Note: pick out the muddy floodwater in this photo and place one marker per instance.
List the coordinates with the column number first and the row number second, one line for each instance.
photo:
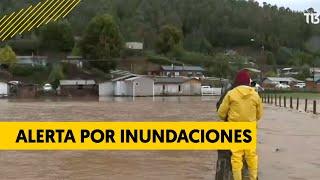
column 113, row 165
column 288, row 141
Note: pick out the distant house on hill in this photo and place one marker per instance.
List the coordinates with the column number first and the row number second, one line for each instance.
column 32, row 60
column 134, row 45
column 189, row 71
column 288, row 72
column 76, row 60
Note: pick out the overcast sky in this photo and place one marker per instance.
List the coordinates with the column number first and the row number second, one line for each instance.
column 299, row 5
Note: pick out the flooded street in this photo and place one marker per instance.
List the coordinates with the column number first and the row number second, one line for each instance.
column 118, row 165
column 285, row 138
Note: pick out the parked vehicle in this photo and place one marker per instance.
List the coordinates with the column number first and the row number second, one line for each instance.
column 47, row 88
column 282, row 86
column 300, row 85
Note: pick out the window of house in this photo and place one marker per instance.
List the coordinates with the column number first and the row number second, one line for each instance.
column 176, row 73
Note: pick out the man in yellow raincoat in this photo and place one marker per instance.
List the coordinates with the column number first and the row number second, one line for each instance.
column 242, row 104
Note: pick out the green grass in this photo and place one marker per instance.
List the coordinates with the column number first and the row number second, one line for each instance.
column 301, row 95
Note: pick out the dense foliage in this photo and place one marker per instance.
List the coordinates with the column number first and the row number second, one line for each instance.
column 204, row 29
column 102, row 42
column 7, row 56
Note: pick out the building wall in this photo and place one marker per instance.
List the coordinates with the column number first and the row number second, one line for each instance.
column 78, row 90
column 167, row 89
column 120, row 88
column 140, row 87
column 3, row 88
column 191, row 87
column 106, row 89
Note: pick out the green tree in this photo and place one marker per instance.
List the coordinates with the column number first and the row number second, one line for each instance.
column 304, row 72
column 220, row 66
column 102, row 42
column 56, row 75
column 7, row 56
column 270, row 58
column 57, row 36
column 169, row 38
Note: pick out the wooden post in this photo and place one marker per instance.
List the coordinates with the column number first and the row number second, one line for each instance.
column 291, row 105
column 275, row 99
column 280, row 101
column 297, row 103
column 306, row 105
column 314, row 107
column 285, row 101
column 272, row 99
column 268, row 98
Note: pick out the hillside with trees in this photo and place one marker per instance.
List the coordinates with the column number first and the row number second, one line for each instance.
column 181, row 31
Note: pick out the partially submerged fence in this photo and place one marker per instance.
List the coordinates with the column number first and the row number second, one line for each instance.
column 290, row 102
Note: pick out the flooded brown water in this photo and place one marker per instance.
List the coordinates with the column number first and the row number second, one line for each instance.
column 113, row 165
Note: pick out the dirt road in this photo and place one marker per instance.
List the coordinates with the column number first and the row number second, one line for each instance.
column 295, row 134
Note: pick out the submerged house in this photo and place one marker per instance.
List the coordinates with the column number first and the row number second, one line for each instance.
column 173, row 86
column 22, row 90
column 77, row 88
column 130, row 85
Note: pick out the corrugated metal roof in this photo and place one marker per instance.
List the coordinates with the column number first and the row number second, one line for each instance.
column 124, row 77
column 278, row 79
column 182, row 68
column 76, row 82
column 138, row 77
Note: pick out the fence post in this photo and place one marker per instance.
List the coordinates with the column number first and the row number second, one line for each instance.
column 272, row 99
column 306, row 105
column 285, row 101
column 297, row 103
column 280, row 101
column 291, row 105
column 314, row 107
column 275, row 99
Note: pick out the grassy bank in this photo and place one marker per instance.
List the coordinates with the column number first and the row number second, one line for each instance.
column 308, row 95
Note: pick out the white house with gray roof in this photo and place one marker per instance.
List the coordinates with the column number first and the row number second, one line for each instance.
column 189, row 71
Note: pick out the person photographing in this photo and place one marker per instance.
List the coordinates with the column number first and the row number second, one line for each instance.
column 242, row 104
